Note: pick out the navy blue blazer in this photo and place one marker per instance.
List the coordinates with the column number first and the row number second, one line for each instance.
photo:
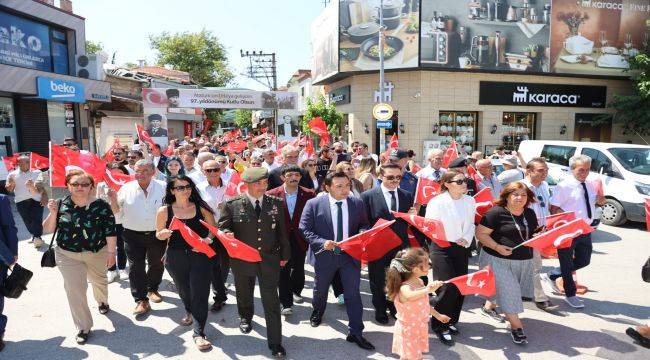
column 316, row 223
column 8, row 233
column 376, row 208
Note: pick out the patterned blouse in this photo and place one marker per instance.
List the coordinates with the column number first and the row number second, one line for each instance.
column 84, row 228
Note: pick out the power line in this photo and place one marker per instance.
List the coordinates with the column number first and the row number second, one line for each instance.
column 261, row 68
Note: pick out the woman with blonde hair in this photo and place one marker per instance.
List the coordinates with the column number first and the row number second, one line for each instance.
column 367, row 173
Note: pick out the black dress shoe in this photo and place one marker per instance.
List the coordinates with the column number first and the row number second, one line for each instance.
column 453, row 329
column 2, row 344
column 445, row 337
column 381, row 318
column 217, row 306
column 642, row 340
column 315, row 319
column 392, row 311
column 360, row 341
column 245, row 326
column 546, row 305
column 277, row 351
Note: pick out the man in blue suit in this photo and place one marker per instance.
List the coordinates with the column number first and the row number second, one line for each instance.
column 379, row 202
column 326, row 221
column 8, row 253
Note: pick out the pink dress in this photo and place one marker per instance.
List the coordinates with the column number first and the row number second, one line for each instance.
column 411, row 332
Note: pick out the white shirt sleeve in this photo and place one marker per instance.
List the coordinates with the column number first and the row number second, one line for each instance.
column 559, row 195
column 470, row 228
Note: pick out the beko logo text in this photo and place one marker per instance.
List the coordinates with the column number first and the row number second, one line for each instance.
column 63, row 87
column 522, row 96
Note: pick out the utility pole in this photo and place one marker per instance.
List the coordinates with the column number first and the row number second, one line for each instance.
column 262, row 68
column 380, row 43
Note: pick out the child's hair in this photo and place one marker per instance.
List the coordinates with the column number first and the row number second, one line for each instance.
column 401, row 268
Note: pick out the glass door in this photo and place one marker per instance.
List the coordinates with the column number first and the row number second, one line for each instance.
column 7, row 125
column 517, row 127
column 459, row 126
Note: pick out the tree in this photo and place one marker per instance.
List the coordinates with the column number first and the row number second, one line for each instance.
column 633, row 110
column 243, row 118
column 200, row 54
column 326, row 111
column 93, row 47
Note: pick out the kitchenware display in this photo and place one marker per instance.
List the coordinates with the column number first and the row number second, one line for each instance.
column 602, row 37
column 463, row 62
column 458, row 127
column 612, row 61
column 479, row 50
column 499, row 10
column 532, row 16
column 546, row 17
column 440, row 41
column 371, row 50
column 350, row 54
column 474, row 11
column 578, row 45
column 490, row 10
column 574, row 59
column 362, row 32
column 512, row 14
column 392, row 23
column 610, row 50
column 392, row 8
column 497, row 48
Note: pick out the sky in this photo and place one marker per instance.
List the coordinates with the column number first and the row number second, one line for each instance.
column 280, row 26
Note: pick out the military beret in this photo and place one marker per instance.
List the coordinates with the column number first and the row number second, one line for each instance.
column 253, row 174
column 458, row 163
column 153, row 117
column 397, row 154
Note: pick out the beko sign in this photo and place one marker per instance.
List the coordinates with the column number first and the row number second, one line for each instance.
column 535, row 94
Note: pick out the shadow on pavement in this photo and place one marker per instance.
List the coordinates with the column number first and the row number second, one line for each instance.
column 604, row 237
column 42, row 349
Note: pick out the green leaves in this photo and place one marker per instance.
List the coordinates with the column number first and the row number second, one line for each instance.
column 93, row 47
column 633, row 110
column 327, row 112
column 243, row 118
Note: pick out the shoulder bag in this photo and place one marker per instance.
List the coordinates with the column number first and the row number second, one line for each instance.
column 48, row 259
column 645, row 271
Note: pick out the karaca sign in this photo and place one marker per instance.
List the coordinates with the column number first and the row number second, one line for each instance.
column 536, row 94
column 219, row 99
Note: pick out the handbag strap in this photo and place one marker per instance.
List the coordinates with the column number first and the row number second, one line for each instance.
column 56, row 224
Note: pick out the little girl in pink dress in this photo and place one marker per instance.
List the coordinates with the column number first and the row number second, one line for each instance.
column 405, row 288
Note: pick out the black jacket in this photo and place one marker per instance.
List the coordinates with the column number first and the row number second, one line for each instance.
column 376, row 208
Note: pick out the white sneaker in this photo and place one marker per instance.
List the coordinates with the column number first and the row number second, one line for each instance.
column 574, row 302
column 340, row 300
column 298, row 299
column 38, row 242
column 550, row 283
column 124, row 275
column 111, row 276
column 286, row 311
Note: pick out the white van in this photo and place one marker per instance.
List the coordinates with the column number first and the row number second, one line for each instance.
column 625, row 170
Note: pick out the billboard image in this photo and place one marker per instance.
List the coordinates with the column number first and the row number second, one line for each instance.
column 171, row 99
column 324, row 40
column 24, row 43
column 359, row 34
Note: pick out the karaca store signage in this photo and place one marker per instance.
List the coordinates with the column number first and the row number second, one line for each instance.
column 340, row 96
column 534, row 94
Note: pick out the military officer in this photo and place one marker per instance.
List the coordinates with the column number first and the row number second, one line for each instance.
column 258, row 220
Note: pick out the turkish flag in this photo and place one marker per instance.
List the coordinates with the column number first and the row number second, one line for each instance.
column 647, row 214
column 554, row 221
column 431, row 228
column 484, row 202
column 231, row 135
column 259, row 138
column 108, row 156
column 191, row 238
column 309, row 148
column 394, row 143
column 426, row 190
column 559, row 237
column 413, row 241
column 36, row 161
column 235, row 146
column 319, row 127
column 372, row 244
column 235, row 186
column 450, row 155
column 479, row 283
column 235, row 248
column 473, row 174
column 415, row 168
column 115, row 179
column 143, row 135
column 169, row 151
column 63, row 159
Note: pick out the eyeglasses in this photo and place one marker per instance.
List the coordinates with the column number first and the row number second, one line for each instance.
column 393, row 177
column 541, row 201
column 221, row 162
column 182, row 187
column 459, row 182
column 212, row 170
column 83, row 185
column 131, row 157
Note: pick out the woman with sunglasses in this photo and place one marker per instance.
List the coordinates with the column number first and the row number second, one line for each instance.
column 347, row 168
column 191, row 270
column 456, row 211
column 85, row 239
column 509, row 223
column 309, row 165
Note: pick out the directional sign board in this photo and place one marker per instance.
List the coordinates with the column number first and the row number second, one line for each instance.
column 384, row 124
column 382, row 111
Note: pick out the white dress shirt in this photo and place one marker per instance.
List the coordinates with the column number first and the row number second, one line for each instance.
column 137, row 210
column 428, row 173
column 198, row 177
column 254, row 199
column 226, row 174
column 542, row 197
column 570, row 196
column 387, row 197
column 334, row 209
column 21, row 192
column 102, row 193
column 457, row 216
column 214, row 196
column 270, row 167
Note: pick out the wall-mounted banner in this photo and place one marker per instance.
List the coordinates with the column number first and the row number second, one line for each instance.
column 219, row 99
column 535, row 94
column 24, row 43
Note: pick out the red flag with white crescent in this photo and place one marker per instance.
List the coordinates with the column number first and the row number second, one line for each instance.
column 235, row 146
column 484, row 202
column 115, row 179
column 36, row 161
column 431, row 228
column 413, row 241
column 143, row 135
column 473, row 174
column 63, row 159
column 647, row 214
column 480, row 282
column 427, row 189
column 450, row 155
column 191, row 238
column 559, row 237
column 372, row 244
column 108, row 156
column 236, row 248
column 235, row 186
column 309, row 148
column 552, row 222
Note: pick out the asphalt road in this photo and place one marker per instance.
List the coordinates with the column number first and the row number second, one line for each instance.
column 40, row 325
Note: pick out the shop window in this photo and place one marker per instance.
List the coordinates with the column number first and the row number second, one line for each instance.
column 459, row 126
column 517, row 127
column 557, row 154
column 59, row 52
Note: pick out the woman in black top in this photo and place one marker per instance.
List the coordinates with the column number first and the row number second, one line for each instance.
column 509, row 223
column 86, row 241
column 191, row 270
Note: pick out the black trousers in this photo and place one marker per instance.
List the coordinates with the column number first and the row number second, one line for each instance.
column 121, row 253
column 192, row 274
column 572, row 259
column 337, row 284
column 220, row 269
column 447, row 263
column 143, row 248
column 377, row 278
column 292, row 276
column 31, row 212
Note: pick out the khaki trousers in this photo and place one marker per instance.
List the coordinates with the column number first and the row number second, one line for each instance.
column 78, row 269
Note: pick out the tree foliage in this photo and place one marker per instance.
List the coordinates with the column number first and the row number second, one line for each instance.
column 243, row 118
column 200, row 54
column 93, row 47
column 327, row 112
column 633, row 110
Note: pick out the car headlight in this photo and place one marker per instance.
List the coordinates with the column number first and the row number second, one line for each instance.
column 643, row 189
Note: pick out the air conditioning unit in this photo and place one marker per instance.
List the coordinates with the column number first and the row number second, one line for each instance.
column 89, row 67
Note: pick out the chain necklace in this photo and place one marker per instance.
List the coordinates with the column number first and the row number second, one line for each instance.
column 523, row 239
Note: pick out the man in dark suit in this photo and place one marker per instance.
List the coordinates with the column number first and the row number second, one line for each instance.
column 294, row 197
column 258, row 220
column 290, row 156
column 379, row 202
column 155, row 128
column 8, row 253
column 327, row 221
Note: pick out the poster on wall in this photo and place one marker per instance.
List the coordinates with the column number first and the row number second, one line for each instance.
column 359, row 34
column 155, row 123
column 324, row 40
column 24, row 43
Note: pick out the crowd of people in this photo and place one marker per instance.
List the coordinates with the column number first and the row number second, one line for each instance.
column 298, row 208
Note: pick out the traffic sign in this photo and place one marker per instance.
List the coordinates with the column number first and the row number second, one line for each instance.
column 384, row 124
column 382, row 111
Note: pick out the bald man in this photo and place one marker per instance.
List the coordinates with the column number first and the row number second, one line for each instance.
column 488, row 179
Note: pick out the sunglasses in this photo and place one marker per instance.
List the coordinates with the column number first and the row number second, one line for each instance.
column 131, row 157
column 182, row 187
column 83, row 185
column 541, row 201
column 212, row 170
column 393, row 177
column 221, row 162
column 458, row 182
